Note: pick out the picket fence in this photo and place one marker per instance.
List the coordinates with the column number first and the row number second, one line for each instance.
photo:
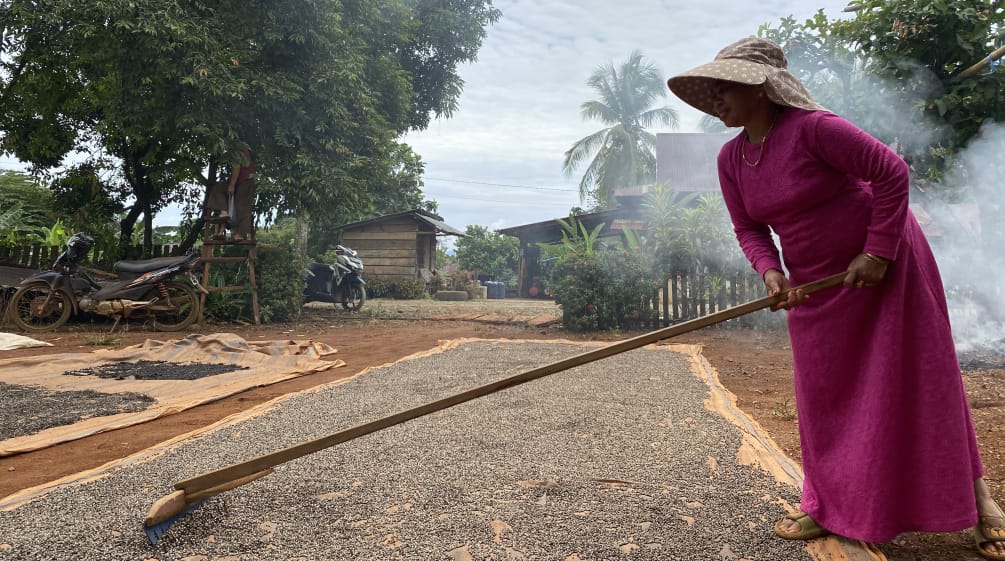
column 684, row 297
column 38, row 256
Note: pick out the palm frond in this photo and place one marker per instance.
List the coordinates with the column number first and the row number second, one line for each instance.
column 664, row 116
column 599, row 111
column 582, row 149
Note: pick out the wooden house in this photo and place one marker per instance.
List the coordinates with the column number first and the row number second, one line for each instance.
column 398, row 246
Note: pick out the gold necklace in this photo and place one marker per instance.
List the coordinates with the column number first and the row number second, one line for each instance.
column 760, row 153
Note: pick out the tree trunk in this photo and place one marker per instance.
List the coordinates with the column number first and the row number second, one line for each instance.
column 300, row 233
column 148, row 230
column 126, row 229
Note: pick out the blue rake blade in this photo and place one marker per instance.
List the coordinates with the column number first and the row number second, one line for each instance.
column 155, row 532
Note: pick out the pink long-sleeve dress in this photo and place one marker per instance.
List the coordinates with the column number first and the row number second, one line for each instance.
column 888, row 445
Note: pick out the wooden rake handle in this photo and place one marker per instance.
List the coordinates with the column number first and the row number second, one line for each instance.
column 207, row 484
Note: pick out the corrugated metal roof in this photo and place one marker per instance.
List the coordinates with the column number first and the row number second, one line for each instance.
column 686, row 161
column 440, row 225
column 433, row 220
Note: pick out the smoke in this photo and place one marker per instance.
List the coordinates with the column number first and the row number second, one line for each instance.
column 969, row 242
column 967, row 234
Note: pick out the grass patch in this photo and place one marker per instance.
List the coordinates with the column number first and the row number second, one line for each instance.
column 784, row 411
column 102, row 340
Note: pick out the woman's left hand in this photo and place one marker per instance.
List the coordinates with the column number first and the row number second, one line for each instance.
column 866, row 270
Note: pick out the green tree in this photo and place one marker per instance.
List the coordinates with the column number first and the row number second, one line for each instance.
column 489, row 253
column 25, row 208
column 895, row 69
column 395, row 187
column 623, row 153
column 161, row 90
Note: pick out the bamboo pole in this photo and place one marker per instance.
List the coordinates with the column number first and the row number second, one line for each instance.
column 995, row 55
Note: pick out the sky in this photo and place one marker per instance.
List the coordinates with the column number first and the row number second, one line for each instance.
column 498, row 161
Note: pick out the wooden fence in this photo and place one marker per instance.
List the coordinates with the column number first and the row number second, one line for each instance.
column 686, row 297
column 39, row 257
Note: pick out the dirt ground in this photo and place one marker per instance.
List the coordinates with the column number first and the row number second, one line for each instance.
column 754, row 365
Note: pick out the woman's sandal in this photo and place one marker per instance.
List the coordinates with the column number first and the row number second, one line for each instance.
column 808, row 528
column 986, row 532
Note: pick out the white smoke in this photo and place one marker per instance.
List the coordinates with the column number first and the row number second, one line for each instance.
column 970, row 242
column 968, row 234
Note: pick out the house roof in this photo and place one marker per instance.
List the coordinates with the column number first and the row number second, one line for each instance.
column 686, row 161
column 418, row 215
column 551, row 230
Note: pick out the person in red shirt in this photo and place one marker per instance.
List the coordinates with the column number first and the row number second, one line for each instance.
column 235, row 197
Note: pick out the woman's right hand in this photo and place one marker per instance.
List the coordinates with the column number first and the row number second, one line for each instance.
column 777, row 284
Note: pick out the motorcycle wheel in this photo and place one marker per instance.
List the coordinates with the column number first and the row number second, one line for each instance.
column 354, row 300
column 176, row 312
column 30, row 311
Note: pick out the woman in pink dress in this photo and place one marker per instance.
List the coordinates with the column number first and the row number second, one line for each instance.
column 887, row 441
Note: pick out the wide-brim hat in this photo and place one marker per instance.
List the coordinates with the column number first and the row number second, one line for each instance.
column 750, row 61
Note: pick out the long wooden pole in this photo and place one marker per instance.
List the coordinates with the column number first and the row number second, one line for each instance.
column 995, row 55
column 202, row 486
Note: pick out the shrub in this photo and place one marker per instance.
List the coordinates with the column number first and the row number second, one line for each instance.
column 400, row 289
column 605, row 290
column 377, row 287
column 280, row 275
column 409, row 289
column 460, row 280
column 435, row 284
column 280, row 278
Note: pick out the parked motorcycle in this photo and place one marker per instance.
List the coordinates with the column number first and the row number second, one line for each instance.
column 340, row 283
column 148, row 288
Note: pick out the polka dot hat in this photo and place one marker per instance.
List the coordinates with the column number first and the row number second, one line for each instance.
column 748, row 61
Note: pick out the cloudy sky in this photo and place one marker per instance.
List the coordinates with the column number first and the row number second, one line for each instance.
column 498, row 161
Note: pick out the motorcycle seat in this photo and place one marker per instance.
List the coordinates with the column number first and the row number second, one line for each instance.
column 147, row 265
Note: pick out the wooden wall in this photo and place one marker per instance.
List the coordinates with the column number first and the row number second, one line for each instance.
column 396, row 248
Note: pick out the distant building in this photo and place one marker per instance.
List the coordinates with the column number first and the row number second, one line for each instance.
column 686, row 161
column 398, row 246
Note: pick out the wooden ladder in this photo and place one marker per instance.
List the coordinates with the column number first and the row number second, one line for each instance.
column 210, row 255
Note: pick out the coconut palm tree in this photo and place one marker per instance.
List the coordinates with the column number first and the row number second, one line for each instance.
column 709, row 123
column 623, row 154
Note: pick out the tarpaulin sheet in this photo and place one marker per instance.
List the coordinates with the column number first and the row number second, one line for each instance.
column 10, row 341
column 263, row 362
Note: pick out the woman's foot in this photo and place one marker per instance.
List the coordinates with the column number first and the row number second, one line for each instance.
column 237, row 237
column 990, row 530
column 799, row 526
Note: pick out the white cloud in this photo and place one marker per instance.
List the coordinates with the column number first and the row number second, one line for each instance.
column 519, row 111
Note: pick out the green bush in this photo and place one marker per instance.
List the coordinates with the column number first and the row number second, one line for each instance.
column 408, row 289
column 377, row 287
column 280, row 277
column 459, row 280
column 605, row 290
column 436, row 283
column 400, row 289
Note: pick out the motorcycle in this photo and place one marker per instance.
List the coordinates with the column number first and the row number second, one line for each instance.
column 147, row 288
column 340, row 283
